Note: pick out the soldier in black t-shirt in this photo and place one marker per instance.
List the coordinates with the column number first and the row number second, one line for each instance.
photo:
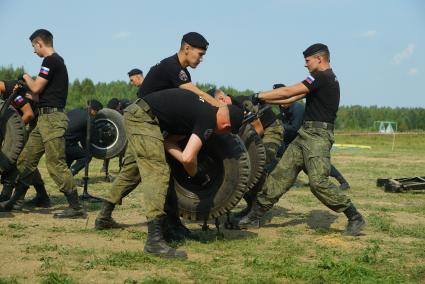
column 172, row 72
column 311, row 148
column 51, row 87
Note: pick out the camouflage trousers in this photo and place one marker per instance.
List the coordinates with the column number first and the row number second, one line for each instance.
column 310, row 150
column 272, row 139
column 144, row 161
column 47, row 138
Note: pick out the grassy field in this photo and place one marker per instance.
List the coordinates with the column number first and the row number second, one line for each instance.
column 302, row 243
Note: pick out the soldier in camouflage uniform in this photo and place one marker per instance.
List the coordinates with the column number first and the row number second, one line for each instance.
column 311, row 148
column 179, row 113
column 51, row 87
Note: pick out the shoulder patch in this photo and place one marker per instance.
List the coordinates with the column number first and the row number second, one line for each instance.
column 44, row 70
column 310, row 79
column 183, row 75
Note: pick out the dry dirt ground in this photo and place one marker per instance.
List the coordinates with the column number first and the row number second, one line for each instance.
column 299, row 232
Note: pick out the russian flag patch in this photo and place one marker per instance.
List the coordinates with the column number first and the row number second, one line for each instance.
column 19, row 100
column 44, row 70
column 310, row 79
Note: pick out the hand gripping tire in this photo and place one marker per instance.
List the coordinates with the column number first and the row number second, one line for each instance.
column 13, row 136
column 225, row 159
column 107, row 135
column 257, row 154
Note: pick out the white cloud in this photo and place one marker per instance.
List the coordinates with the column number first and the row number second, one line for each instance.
column 121, row 35
column 406, row 53
column 369, row 34
column 412, row 72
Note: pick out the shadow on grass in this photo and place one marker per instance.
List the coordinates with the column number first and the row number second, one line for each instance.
column 318, row 220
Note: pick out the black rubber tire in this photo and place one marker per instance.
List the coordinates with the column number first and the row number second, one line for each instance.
column 107, row 135
column 226, row 160
column 257, row 154
column 14, row 137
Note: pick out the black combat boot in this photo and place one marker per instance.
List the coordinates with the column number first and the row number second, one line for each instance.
column 155, row 244
column 104, row 220
column 6, row 192
column 175, row 231
column 41, row 199
column 253, row 218
column 356, row 222
column 74, row 210
column 16, row 201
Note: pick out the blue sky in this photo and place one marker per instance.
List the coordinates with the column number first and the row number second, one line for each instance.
column 377, row 47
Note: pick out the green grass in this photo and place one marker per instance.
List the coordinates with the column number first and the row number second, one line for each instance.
column 301, row 241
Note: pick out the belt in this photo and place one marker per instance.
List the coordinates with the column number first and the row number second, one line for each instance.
column 144, row 105
column 318, row 124
column 47, row 110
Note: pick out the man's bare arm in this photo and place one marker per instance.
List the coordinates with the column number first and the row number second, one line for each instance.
column 191, row 87
column 287, row 101
column 283, row 93
column 36, row 86
column 188, row 156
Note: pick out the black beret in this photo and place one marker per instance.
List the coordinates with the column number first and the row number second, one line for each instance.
column 95, row 104
column 236, row 117
column 196, row 40
column 113, row 103
column 135, row 71
column 41, row 32
column 315, row 48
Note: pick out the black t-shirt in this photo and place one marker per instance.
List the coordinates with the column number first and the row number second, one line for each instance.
column 268, row 116
column 182, row 112
column 292, row 118
column 166, row 74
column 77, row 125
column 53, row 69
column 323, row 99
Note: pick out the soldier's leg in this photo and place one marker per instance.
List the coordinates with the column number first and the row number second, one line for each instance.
column 317, row 162
column 26, row 165
column 52, row 129
column 74, row 152
column 126, row 181
column 147, row 143
column 272, row 140
column 41, row 198
column 277, row 183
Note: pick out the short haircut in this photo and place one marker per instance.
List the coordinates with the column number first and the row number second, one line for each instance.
column 44, row 35
column 325, row 55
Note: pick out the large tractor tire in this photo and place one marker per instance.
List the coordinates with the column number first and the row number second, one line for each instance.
column 225, row 159
column 13, row 136
column 107, row 134
column 257, row 154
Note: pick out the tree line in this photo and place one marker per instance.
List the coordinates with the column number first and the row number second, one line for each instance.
column 348, row 118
